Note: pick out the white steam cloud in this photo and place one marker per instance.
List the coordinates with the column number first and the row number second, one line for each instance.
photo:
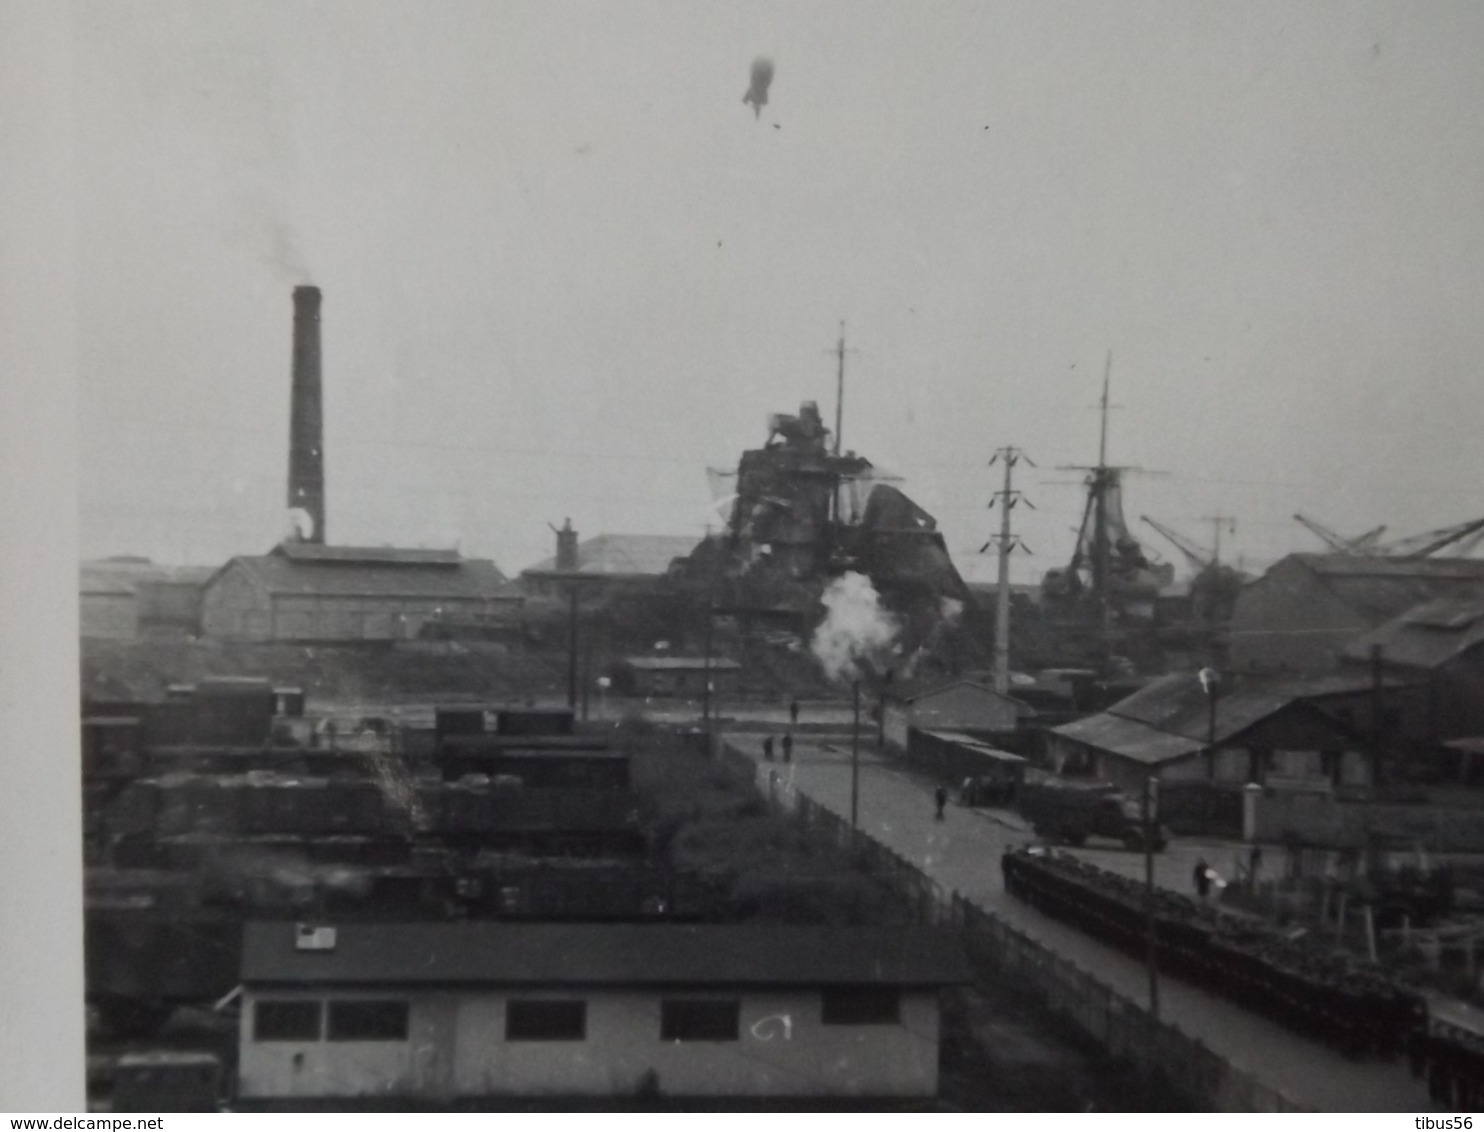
column 856, row 631
column 950, row 609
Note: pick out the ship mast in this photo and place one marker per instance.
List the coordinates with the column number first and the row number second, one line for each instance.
column 1100, row 483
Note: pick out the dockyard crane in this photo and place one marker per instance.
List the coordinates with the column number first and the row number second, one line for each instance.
column 1463, row 537
column 1360, row 544
column 1198, row 556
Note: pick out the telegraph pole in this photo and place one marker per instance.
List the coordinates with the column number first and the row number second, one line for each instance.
column 1006, row 542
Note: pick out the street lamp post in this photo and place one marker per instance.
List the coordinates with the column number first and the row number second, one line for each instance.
column 855, row 758
column 572, row 647
column 1150, row 810
column 1211, row 684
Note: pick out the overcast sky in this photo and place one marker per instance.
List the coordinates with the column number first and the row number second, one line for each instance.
column 565, row 269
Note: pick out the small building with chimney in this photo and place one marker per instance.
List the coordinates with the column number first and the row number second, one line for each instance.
column 632, row 563
column 303, row 591
column 358, row 1014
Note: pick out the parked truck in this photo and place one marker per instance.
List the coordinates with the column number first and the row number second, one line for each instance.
column 1071, row 812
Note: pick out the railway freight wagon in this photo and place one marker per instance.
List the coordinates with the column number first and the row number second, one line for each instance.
column 353, row 813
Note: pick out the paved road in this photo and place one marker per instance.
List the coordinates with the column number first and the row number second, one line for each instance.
column 963, row 852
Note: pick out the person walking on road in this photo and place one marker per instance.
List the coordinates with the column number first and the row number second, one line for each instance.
column 940, row 799
column 788, row 747
column 1202, row 878
column 768, row 748
column 793, row 713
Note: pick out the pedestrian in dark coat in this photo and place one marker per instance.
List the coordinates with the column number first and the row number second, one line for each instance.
column 940, row 799
column 788, row 747
column 793, row 712
column 1202, row 878
column 768, row 748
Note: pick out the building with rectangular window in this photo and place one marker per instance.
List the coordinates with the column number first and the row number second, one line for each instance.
column 437, row 1012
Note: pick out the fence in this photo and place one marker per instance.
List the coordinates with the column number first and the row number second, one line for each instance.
column 1119, row 1025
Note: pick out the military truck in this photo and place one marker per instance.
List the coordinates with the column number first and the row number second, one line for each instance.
column 1071, row 812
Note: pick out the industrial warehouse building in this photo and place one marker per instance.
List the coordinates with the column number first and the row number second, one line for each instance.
column 1299, row 615
column 127, row 597
column 310, row 592
column 433, row 1012
column 964, row 705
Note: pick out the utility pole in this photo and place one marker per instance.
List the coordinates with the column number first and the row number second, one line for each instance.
column 1217, row 523
column 706, row 688
column 1006, row 542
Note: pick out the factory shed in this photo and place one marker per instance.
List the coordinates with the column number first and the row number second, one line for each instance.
column 964, row 705
column 308, row 592
column 1270, row 732
column 435, row 1012
column 108, row 604
column 1299, row 615
column 1441, row 644
column 682, row 676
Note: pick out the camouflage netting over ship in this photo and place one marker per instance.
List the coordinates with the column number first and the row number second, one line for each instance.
column 803, row 516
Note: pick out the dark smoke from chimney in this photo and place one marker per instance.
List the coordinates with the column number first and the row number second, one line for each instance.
column 306, row 423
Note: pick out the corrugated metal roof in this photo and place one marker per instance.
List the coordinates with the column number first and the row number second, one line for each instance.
column 625, row 554
column 1178, row 703
column 1385, row 587
column 1426, row 636
column 679, row 663
column 606, row 955
column 917, row 697
column 116, row 575
column 983, row 748
column 1374, row 566
column 1129, row 739
column 469, row 578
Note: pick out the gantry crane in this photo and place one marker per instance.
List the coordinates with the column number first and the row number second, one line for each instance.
column 1360, row 544
column 1463, row 537
column 1198, row 556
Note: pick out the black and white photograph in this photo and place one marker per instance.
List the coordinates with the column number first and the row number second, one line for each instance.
column 850, row 556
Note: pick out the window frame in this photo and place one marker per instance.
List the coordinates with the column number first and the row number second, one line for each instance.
column 315, row 1004
column 865, row 1004
column 530, row 1006
column 679, row 1018
column 341, row 1005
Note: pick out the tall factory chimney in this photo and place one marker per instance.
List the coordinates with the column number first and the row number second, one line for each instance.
column 306, row 423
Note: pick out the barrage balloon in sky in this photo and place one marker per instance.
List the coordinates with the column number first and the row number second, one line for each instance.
column 762, row 78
